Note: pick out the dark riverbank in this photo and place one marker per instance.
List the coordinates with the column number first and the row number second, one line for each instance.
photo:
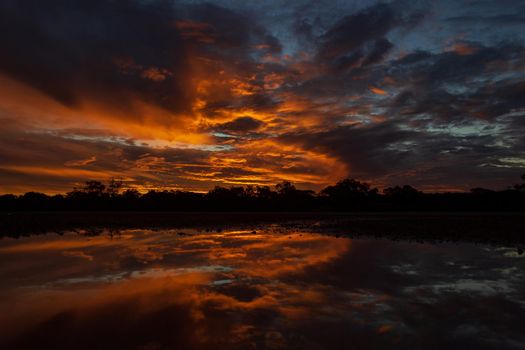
column 497, row 228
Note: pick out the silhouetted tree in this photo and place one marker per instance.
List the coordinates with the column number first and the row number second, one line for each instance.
column 405, row 191
column 94, row 188
column 91, row 188
column 288, row 197
column 347, row 194
column 131, row 193
column 480, row 191
column 264, row 193
column 405, row 197
column 35, row 200
column 285, row 187
column 8, row 202
column 350, row 194
column 114, row 187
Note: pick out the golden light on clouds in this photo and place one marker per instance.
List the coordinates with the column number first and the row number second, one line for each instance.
column 378, row 91
column 190, row 96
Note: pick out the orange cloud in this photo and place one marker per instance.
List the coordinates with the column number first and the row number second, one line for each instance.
column 463, row 49
column 60, row 172
column 377, row 90
column 81, row 162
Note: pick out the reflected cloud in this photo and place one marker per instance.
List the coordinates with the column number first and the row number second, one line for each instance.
column 271, row 288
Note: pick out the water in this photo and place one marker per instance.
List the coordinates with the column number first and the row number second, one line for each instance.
column 143, row 289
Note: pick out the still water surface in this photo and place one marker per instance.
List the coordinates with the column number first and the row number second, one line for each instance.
column 144, row 289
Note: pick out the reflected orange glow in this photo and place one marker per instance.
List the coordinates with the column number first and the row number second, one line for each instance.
column 230, row 256
column 200, row 288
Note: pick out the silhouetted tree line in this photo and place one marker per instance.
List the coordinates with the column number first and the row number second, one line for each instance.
column 346, row 195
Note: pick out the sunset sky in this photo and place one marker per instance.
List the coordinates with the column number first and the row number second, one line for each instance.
column 190, row 94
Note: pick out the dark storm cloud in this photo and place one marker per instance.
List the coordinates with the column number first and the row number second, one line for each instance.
column 352, row 51
column 241, row 124
column 456, row 65
column 497, row 19
column 467, row 80
column 449, row 85
column 348, row 62
column 230, row 29
column 503, row 13
column 304, row 31
column 370, row 24
column 378, row 51
column 354, row 30
column 392, row 153
column 69, row 49
column 367, row 150
column 118, row 52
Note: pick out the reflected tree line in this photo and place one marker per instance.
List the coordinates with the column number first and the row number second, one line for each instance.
column 346, row 195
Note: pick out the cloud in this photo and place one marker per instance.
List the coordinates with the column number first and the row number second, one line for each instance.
column 59, row 50
column 366, row 150
column 137, row 57
column 460, row 84
column 192, row 94
column 81, row 162
column 241, row 124
column 378, row 51
column 354, row 30
column 370, row 24
column 378, row 91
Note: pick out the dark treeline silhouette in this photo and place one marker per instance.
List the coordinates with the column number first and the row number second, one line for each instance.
column 346, row 195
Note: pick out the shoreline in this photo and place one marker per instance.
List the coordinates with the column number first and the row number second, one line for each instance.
column 480, row 227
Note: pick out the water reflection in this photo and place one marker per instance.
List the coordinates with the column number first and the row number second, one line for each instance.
column 141, row 289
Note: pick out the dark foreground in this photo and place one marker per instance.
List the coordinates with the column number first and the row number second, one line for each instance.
column 494, row 228
column 280, row 286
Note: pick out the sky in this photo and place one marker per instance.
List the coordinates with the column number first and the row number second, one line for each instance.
column 189, row 95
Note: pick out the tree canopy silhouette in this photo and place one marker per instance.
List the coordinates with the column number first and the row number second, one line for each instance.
column 345, row 195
